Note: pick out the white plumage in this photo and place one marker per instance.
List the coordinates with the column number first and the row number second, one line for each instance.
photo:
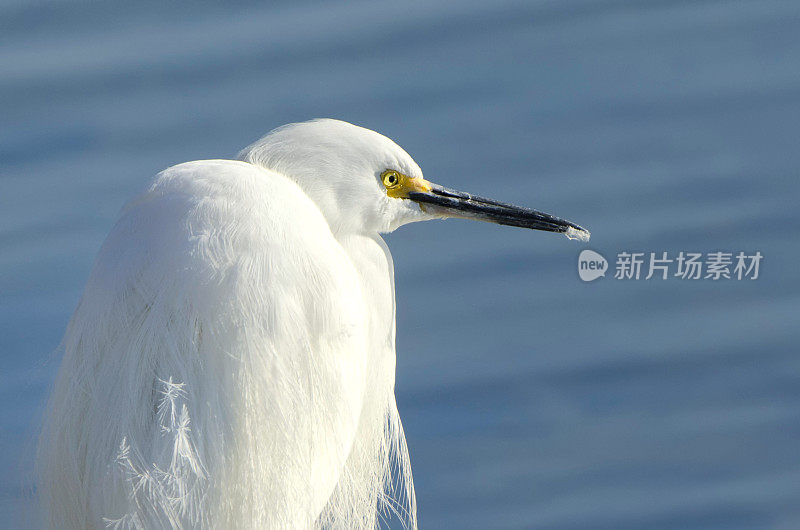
column 231, row 361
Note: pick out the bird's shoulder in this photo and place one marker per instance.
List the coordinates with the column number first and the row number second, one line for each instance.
column 205, row 222
column 215, row 193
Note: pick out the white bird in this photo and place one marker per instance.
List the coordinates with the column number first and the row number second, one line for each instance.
column 231, row 362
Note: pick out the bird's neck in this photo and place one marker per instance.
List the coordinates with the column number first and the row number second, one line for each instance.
column 373, row 262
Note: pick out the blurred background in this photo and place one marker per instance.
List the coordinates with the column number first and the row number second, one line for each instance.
column 530, row 399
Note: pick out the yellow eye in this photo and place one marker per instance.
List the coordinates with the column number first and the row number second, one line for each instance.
column 390, row 178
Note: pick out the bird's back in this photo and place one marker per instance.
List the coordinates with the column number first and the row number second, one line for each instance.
column 214, row 369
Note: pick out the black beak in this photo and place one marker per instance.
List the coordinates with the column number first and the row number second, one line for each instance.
column 451, row 203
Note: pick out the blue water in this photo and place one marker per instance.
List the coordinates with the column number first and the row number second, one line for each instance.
column 530, row 399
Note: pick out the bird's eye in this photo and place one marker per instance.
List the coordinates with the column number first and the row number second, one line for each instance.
column 391, row 179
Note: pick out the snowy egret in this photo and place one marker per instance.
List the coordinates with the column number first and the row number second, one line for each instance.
column 231, row 362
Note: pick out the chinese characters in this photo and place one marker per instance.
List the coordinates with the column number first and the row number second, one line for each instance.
column 688, row 266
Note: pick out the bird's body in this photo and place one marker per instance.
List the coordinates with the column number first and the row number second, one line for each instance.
column 231, row 362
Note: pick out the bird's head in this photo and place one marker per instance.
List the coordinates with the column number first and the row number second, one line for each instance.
column 364, row 182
